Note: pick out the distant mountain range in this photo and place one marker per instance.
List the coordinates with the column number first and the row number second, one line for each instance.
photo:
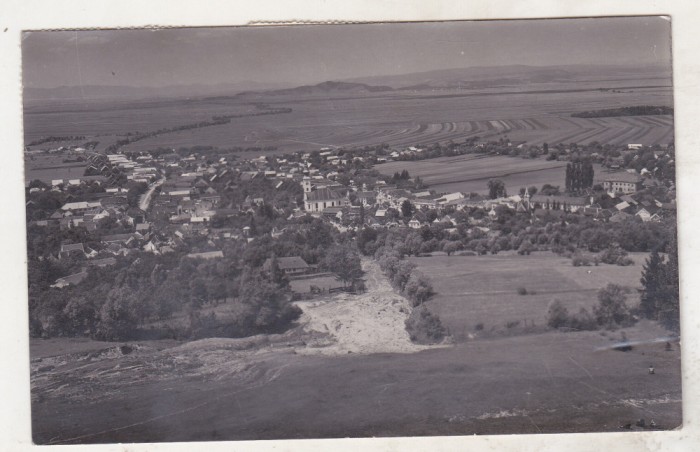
column 144, row 92
column 460, row 78
column 490, row 76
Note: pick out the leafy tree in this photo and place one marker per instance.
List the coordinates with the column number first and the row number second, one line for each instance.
column 557, row 314
column 612, row 308
column 344, row 261
column 407, row 209
column 365, row 239
column 451, row 247
column 497, row 189
column 277, row 276
column 424, row 327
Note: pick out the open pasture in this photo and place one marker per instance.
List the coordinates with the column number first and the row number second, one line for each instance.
column 398, row 118
column 474, row 290
column 471, row 173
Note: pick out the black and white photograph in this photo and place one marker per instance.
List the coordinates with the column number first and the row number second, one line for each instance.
column 366, row 230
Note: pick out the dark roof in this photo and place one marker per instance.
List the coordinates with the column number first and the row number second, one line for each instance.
column 323, row 194
column 289, row 263
column 72, row 247
column 117, row 238
column 570, row 200
column 623, row 176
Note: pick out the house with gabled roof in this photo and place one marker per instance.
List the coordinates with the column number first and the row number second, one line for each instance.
column 623, row 182
column 293, row 265
column 70, row 249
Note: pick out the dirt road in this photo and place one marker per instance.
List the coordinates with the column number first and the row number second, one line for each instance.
column 145, row 200
column 372, row 322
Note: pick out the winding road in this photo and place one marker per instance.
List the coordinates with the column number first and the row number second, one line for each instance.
column 145, row 200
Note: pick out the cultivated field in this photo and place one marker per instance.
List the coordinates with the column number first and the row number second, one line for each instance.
column 473, row 290
column 471, row 173
column 535, row 114
column 47, row 168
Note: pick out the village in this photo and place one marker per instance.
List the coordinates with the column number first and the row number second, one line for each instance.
column 156, row 202
column 286, row 244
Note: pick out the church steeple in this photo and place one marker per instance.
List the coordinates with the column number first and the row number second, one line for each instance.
column 526, row 199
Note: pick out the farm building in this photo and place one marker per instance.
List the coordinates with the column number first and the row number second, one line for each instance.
column 293, row 265
column 622, row 182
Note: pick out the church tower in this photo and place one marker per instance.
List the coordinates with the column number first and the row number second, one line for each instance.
column 306, row 185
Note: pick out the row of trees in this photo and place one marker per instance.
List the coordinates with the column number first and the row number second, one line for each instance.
column 215, row 121
column 579, row 176
column 422, row 325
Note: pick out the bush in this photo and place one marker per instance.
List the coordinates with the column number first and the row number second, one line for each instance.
column 557, row 314
column 558, row 317
column 583, row 321
column 580, row 261
column 479, row 326
column 423, row 327
column 615, row 256
column 418, row 289
column 522, row 291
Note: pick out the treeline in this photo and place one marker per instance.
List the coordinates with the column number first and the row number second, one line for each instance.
column 579, row 176
column 215, row 121
column 641, row 110
column 557, row 231
column 54, row 139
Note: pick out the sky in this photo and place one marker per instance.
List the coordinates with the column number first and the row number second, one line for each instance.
column 295, row 55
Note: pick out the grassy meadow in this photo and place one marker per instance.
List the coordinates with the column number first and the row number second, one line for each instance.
column 483, row 290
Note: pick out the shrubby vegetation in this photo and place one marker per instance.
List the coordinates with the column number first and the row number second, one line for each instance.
column 424, row 327
column 610, row 312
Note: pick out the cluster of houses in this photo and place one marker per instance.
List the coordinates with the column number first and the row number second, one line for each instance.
column 184, row 198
